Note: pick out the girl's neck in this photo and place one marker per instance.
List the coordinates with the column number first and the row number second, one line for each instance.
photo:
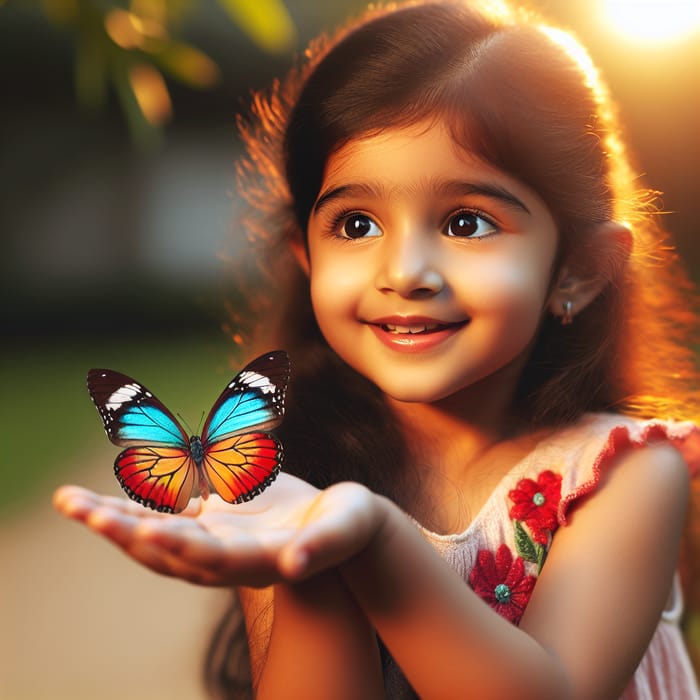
column 461, row 450
column 463, row 425
column 445, row 440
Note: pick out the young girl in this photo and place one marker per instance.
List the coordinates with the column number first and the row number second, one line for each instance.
column 483, row 492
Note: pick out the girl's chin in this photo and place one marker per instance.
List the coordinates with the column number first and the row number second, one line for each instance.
column 404, row 392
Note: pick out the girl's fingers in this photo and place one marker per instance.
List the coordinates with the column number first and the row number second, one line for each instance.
column 231, row 560
column 157, row 544
column 180, row 537
column 74, row 501
column 115, row 525
column 199, row 558
column 342, row 521
column 179, row 547
column 193, row 508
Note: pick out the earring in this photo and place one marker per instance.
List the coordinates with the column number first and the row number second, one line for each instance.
column 567, row 317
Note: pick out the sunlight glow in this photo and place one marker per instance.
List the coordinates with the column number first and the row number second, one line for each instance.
column 653, row 20
column 576, row 50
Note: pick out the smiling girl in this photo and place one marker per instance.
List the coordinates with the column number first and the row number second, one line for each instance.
column 487, row 444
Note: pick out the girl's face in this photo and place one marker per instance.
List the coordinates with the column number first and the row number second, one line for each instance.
column 429, row 269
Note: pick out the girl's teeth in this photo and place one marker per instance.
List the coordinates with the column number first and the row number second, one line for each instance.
column 411, row 329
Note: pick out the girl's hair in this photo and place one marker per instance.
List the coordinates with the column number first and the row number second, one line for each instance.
column 525, row 98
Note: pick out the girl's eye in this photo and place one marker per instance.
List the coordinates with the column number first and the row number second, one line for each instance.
column 359, row 226
column 468, row 224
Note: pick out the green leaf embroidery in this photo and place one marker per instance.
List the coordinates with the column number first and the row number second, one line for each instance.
column 541, row 556
column 524, row 545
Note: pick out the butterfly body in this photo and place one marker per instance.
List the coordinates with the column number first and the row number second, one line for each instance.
column 197, row 450
column 162, row 467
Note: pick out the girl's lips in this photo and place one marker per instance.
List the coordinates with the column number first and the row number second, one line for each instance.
column 414, row 335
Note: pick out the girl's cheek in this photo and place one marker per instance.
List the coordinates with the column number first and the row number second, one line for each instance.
column 332, row 284
column 495, row 284
column 335, row 297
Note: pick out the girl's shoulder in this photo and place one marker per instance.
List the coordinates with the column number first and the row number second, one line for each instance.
column 582, row 453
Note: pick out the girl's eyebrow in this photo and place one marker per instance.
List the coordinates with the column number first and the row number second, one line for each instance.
column 448, row 188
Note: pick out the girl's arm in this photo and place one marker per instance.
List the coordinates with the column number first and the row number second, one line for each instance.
column 591, row 616
column 309, row 640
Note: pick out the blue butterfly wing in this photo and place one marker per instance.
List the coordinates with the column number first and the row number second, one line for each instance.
column 252, row 401
column 131, row 414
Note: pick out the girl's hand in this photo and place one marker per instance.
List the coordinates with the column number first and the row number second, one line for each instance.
column 289, row 532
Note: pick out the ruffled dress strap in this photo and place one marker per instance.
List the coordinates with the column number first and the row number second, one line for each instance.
column 607, row 436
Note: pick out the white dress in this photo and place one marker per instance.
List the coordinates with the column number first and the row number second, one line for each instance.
column 502, row 551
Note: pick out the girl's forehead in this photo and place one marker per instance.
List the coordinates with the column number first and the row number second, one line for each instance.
column 391, row 144
column 414, row 159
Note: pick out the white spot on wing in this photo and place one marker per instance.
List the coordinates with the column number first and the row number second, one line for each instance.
column 122, row 395
column 257, row 381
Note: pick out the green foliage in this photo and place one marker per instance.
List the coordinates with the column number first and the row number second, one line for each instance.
column 136, row 46
column 265, row 21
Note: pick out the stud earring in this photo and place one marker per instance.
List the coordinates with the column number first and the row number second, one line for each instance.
column 567, row 317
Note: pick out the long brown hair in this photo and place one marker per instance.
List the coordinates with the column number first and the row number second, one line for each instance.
column 525, row 98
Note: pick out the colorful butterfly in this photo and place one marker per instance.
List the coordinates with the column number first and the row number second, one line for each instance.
column 162, row 468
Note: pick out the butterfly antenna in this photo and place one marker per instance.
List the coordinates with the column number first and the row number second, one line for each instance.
column 199, row 425
column 186, row 424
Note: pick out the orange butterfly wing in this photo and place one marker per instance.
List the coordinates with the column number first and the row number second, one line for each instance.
column 162, row 478
column 238, row 468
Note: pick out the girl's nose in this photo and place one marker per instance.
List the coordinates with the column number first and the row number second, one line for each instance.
column 409, row 267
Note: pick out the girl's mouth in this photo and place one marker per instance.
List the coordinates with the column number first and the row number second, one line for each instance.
column 415, row 336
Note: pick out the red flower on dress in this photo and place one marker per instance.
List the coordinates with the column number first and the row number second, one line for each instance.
column 536, row 504
column 502, row 583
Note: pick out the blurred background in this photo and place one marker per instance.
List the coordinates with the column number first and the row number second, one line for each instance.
column 118, row 214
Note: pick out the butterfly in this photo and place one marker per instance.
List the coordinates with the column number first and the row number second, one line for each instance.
column 162, row 468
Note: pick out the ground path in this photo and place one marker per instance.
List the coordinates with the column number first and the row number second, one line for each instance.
column 79, row 621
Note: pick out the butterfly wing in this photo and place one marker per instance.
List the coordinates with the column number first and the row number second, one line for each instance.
column 157, row 469
column 253, row 399
column 130, row 413
column 240, row 459
column 161, row 478
column 239, row 467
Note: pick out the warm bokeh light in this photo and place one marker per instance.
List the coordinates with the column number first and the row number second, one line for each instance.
column 129, row 31
column 123, row 29
column 191, row 66
column 155, row 10
column 653, row 20
column 151, row 93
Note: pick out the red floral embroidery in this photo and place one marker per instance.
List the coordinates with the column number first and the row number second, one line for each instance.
column 502, row 583
column 536, row 502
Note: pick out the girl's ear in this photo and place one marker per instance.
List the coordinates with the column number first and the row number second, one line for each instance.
column 301, row 253
column 585, row 274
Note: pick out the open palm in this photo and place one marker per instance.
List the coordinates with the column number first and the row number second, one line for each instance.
column 290, row 531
